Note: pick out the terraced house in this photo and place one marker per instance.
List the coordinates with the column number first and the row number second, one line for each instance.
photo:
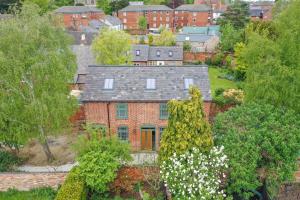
column 132, row 101
column 161, row 15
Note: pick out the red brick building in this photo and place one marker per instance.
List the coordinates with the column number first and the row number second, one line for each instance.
column 131, row 101
column 76, row 16
column 161, row 15
column 192, row 15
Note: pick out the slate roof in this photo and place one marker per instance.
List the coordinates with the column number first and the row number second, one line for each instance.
column 77, row 9
column 150, row 53
column 113, row 20
column 192, row 37
column 140, row 8
column 193, row 7
column 84, row 58
column 130, row 83
column 208, row 30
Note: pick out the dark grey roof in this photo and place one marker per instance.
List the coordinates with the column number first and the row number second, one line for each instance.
column 77, row 9
column 77, row 35
column 130, row 83
column 192, row 37
column 140, row 8
column 194, row 7
column 113, row 20
column 97, row 24
column 177, row 53
column 84, row 58
column 144, row 53
column 150, row 53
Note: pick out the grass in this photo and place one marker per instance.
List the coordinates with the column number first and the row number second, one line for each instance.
column 216, row 82
column 35, row 194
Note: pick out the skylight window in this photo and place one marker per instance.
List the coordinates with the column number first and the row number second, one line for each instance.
column 188, row 82
column 108, row 84
column 137, row 52
column 150, row 84
column 187, row 38
column 158, row 53
column 170, row 53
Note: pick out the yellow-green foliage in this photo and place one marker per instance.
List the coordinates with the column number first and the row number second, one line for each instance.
column 187, row 127
column 73, row 187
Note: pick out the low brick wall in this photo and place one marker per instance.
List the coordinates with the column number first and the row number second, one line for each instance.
column 27, row 181
column 194, row 57
column 289, row 192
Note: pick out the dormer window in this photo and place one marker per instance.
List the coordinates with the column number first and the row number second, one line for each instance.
column 150, row 84
column 158, row 53
column 170, row 53
column 188, row 82
column 108, row 84
column 137, row 52
column 82, row 37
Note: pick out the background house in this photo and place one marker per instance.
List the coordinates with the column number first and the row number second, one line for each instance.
column 76, row 16
column 157, row 55
column 131, row 101
column 86, row 2
column 261, row 10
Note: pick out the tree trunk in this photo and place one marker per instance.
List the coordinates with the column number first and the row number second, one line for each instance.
column 45, row 146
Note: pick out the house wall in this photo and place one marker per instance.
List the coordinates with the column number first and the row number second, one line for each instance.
column 187, row 18
column 139, row 115
column 165, row 62
column 194, row 57
column 74, row 20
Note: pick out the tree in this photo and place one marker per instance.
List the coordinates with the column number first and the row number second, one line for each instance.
column 5, row 4
column 187, row 46
column 187, row 127
column 111, row 47
column 274, row 65
column 43, row 4
column 240, row 67
column 109, row 6
column 142, row 23
column 237, row 14
column 150, row 39
column 262, row 143
column 37, row 65
column 229, row 37
column 166, row 38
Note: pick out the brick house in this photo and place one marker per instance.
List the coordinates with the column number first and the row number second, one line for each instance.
column 157, row 55
column 161, row 15
column 192, row 15
column 156, row 15
column 261, row 10
column 86, row 2
column 131, row 101
column 76, row 16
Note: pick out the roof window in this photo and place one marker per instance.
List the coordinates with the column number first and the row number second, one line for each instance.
column 108, row 84
column 188, row 82
column 150, row 84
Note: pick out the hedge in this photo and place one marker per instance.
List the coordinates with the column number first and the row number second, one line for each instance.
column 73, row 188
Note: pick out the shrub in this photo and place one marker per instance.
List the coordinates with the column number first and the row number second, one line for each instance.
column 8, row 161
column 262, row 143
column 229, row 96
column 187, row 46
column 195, row 175
column 217, row 59
column 73, row 187
column 219, row 91
column 127, row 179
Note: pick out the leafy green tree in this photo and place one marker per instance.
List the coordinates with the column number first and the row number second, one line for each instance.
column 150, row 40
column 5, row 4
column 236, row 14
column 229, row 37
column 240, row 63
column 165, row 38
column 37, row 65
column 187, row 46
column 262, row 143
column 187, row 127
column 109, row 6
column 142, row 23
column 111, row 47
column 104, row 5
column 274, row 65
column 43, row 4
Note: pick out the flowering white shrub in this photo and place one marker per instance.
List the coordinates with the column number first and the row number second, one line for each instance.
column 195, row 175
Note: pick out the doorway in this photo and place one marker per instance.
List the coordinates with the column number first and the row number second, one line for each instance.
column 148, row 139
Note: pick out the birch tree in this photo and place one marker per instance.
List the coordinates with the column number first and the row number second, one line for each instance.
column 36, row 66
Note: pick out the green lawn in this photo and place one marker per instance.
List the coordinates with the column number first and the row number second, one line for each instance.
column 35, row 194
column 216, row 82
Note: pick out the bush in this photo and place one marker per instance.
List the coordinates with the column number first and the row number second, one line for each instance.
column 73, row 188
column 187, row 46
column 195, row 174
column 217, row 59
column 8, row 161
column 127, row 179
column 219, row 91
column 229, row 96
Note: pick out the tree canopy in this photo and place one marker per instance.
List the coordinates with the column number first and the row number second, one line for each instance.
column 262, row 143
column 187, row 127
column 165, row 38
column 112, row 47
column 142, row 23
column 111, row 6
column 36, row 67
column 273, row 74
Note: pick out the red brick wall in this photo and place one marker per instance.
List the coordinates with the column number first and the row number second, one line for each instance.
column 74, row 20
column 139, row 114
column 194, row 57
